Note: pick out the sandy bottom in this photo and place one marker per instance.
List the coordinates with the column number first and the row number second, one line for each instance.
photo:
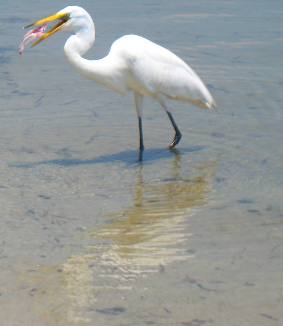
column 191, row 237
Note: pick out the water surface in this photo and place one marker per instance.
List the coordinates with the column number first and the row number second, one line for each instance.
column 190, row 237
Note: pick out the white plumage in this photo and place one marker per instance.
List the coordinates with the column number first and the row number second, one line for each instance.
column 133, row 64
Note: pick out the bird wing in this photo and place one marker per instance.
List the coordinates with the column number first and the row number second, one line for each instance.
column 155, row 70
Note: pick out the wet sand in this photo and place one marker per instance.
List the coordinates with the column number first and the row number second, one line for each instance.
column 190, row 237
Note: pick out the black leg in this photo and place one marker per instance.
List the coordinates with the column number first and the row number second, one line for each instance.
column 141, row 139
column 178, row 134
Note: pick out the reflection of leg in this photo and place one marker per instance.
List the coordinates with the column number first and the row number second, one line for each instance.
column 139, row 189
column 141, row 139
column 178, row 134
column 138, row 103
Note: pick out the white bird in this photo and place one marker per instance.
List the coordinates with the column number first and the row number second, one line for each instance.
column 132, row 64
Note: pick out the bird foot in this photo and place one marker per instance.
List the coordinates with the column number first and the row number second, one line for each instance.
column 176, row 140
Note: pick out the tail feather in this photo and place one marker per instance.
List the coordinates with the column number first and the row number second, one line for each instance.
column 205, row 98
column 211, row 105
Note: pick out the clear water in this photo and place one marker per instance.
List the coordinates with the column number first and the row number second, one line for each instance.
column 192, row 237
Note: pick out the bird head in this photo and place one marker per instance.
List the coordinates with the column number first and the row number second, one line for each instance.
column 69, row 19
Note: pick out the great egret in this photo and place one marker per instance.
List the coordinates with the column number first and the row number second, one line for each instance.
column 133, row 64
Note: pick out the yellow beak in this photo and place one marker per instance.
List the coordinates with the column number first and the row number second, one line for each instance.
column 62, row 17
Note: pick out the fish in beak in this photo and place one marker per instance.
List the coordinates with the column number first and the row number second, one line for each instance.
column 39, row 33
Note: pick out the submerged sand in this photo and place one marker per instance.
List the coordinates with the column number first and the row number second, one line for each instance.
column 190, row 237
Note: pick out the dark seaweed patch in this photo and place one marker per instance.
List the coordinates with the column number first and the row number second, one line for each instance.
column 44, row 196
column 245, row 201
column 269, row 317
column 113, row 311
column 254, row 211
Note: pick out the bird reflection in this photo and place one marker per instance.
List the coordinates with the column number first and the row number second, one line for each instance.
column 152, row 232
column 141, row 239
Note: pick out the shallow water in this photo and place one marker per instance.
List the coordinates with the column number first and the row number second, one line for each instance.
column 189, row 237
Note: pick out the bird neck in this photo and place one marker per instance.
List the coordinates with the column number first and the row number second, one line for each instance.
column 76, row 46
column 99, row 70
